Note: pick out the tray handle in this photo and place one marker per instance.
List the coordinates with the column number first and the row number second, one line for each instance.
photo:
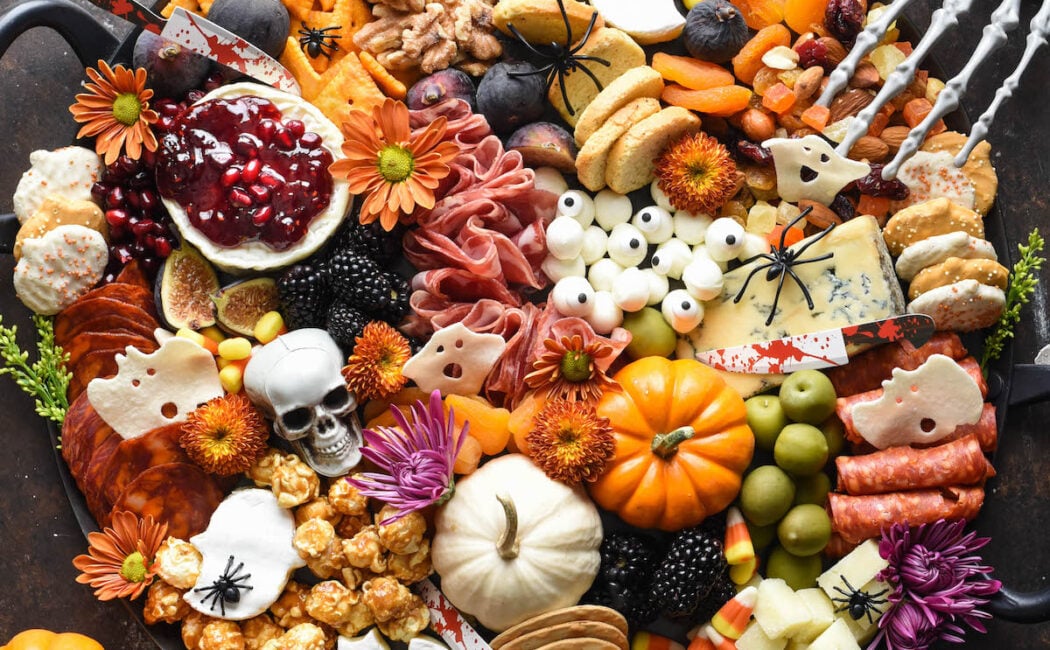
column 89, row 38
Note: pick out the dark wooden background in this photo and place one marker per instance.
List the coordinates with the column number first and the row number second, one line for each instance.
column 39, row 536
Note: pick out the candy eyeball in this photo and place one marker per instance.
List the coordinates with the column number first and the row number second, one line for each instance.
column 631, row 290
column 578, row 205
column 691, row 228
column 605, row 316
column 703, row 279
column 557, row 270
column 573, row 296
column 603, row 273
column 671, row 257
column 611, row 209
column 655, row 223
column 627, row 245
column 551, row 180
column 595, row 244
column 724, row 239
column 659, row 196
column 754, row 245
column 658, row 286
column 681, row 311
column 565, row 238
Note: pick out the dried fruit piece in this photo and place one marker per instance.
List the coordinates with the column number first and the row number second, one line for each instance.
column 239, row 306
column 761, row 13
column 748, row 61
column 184, row 292
column 778, row 98
column 714, row 31
column 691, row 73
column 801, row 14
column 844, row 19
column 724, row 101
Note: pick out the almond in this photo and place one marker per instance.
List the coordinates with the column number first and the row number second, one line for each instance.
column 820, row 216
column 866, row 76
column 757, row 125
column 894, row 136
column 849, row 103
column 809, row 82
column 869, row 148
column 836, row 51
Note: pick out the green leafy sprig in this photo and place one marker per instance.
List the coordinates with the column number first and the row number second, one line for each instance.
column 1023, row 280
column 46, row 379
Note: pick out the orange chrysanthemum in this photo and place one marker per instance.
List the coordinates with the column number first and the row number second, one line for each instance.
column 116, row 111
column 119, row 561
column 697, row 174
column 226, row 435
column 570, row 442
column 395, row 173
column 568, row 369
column 373, row 371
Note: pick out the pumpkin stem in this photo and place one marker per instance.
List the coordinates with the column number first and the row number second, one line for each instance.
column 666, row 444
column 507, row 545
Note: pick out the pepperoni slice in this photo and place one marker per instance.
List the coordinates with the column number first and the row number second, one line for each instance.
column 857, row 518
column 179, row 494
column 82, row 432
column 960, row 462
column 869, row 369
column 135, row 455
column 130, row 294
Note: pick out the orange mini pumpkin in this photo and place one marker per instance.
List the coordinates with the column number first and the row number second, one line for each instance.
column 48, row 640
column 682, row 443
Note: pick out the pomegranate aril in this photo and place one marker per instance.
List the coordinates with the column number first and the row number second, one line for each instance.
column 270, row 179
column 147, row 200
column 296, row 128
column 115, row 198
column 262, row 214
column 230, row 176
column 266, row 130
column 239, row 197
column 283, row 139
column 162, row 247
column 116, row 217
column 248, row 145
column 140, row 228
column 251, row 170
column 260, row 193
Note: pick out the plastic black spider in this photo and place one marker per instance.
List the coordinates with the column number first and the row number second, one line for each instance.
column 780, row 262
column 226, row 588
column 858, row 602
column 562, row 59
column 315, row 41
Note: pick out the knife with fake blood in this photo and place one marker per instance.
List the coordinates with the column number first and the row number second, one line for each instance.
column 204, row 37
column 816, row 350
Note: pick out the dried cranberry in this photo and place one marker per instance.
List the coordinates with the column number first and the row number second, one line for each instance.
column 754, row 152
column 874, row 185
column 811, row 53
column 844, row 19
column 843, row 207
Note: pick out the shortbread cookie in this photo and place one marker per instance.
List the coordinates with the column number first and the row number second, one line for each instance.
column 936, row 249
column 978, row 167
column 582, row 629
column 630, row 163
column 59, row 267
column 541, row 21
column 610, row 44
column 591, row 160
column 934, row 217
column 68, row 171
column 962, row 306
column 57, row 210
column 631, row 85
column 955, row 269
column 597, row 613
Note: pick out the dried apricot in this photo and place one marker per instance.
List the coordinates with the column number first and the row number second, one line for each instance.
column 723, row 101
column 690, row 72
column 800, row 14
column 778, row 98
column 488, row 424
column 761, row 13
column 748, row 61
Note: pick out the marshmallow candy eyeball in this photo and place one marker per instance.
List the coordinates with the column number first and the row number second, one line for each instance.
column 565, row 238
column 630, row 292
column 627, row 245
column 658, row 286
column 605, row 316
column 655, row 223
column 557, row 270
column 703, row 279
column 578, row 205
column 551, row 180
column 611, row 209
column 671, row 257
column 659, row 196
column 754, row 245
column 724, row 239
column 681, row 311
column 573, row 296
column 595, row 244
column 691, row 228
column 603, row 274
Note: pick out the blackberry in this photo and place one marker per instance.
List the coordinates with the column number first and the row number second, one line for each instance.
column 721, row 593
column 369, row 240
column 358, row 280
column 305, row 295
column 394, row 306
column 693, row 564
column 345, row 323
column 627, row 564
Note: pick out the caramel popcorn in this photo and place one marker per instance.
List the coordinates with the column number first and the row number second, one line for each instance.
column 261, row 471
column 164, row 603
column 178, row 563
column 365, row 551
column 387, row 598
column 318, row 508
column 414, row 621
column 404, row 535
column 313, row 537
column 258, row 630
column 329, row 563
column 351, row 525
column 305, row 636
column 331, row 602
column 290, row 609
column 221, row 635
column 359, row 617
column 193, row 628
column 345, row 499
column 293, row 482
column 354, row 577
column 412, row 567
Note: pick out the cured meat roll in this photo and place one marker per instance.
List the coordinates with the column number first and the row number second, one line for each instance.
column 857, row 518
column 868, row 370
column 985, row 430
column 960, row 462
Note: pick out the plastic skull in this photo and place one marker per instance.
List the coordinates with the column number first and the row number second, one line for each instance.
column 296, row 379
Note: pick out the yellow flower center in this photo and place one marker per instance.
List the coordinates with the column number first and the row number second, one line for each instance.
column 134, row 568
column 576, row 366
column 126, row 108
column 395, row 163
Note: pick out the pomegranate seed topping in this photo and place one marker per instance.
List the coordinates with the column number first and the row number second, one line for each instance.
column 140, row 228
column 296, row 128
column 310, row 140
column 162, row 247
column 147, row 200
column 261, row 215
column 270, row 179
column 115, row 198
column 116, row 218
column 260, row 193
column 284, row 139
column 251, row 170
column 248, row 145
column 230, row 176
column 266, row 130
column 240, row 197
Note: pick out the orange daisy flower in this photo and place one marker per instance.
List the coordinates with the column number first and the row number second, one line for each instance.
column 568, row 369
column 119, row 562
column 116, row 111
column 394, row 172
column 373, row 371
column 570, row 441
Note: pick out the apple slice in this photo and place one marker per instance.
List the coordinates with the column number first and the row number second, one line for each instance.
column 650, row 22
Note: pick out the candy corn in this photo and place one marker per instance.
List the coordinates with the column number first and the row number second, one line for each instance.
column 738, row 546
column 731, row 620
column 741, row 574
column 718, row 642
column 701, row 642
column 650, row 641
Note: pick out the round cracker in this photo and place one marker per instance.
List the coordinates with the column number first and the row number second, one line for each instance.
column 630, row 163
column 591, row 159
column 955, row 269
column 581, row 644
column 963, row 306
column 638, row 82
column 938, row 248
column 934, row 217
column 978, row 167
column 571, row 630
column 565, row 615
column 57, row 210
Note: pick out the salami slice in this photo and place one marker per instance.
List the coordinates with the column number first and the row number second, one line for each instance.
column 960, row 462
column 132, row 274
column 108, row 313
column 100, row 363
column 135, row 455
column 857, row 518
column 180, row 494
column 868, row 370
column 985, row 430
column 82, row 432
column 130, row 294
column 90, row 483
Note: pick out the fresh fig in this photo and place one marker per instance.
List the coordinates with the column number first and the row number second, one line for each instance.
column 263, row 23
column 545, row 144
column 239, row 306
column 441, row 85
column 511, row 93
column 172, row 70
column 715, row 31
column 184, row 291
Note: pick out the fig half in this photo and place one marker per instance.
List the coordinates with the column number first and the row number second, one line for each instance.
column 184, row 291
column 239, row 306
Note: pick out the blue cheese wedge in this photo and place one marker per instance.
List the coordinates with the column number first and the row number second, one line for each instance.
column 857, row 284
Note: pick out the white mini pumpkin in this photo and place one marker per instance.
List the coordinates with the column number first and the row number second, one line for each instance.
column 513, row 543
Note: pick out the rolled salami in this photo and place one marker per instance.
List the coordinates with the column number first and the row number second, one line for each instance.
column 960, row 462
column 857, row 518
column 985, row 430
column 869, row 369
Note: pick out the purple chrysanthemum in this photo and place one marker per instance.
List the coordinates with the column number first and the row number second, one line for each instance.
column 416, row 458
column 939, row 582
